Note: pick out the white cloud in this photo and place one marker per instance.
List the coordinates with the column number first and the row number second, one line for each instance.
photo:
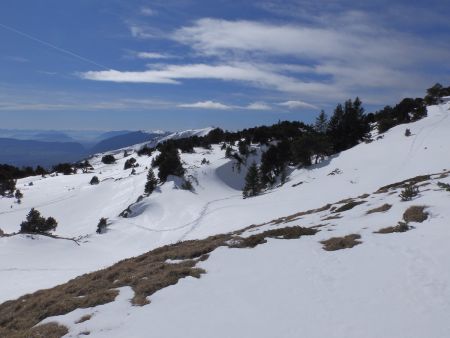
column 258, row 106
column 142, row 32
column 147, row 11
column 152, row 55
column 254, row 74
column 205, row 105
column 297, row 105
column 333, row 58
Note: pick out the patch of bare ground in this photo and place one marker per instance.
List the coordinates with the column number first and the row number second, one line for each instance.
column 400, row 227
column 145, row 274
column 83, row 319
column 298, row 215
column 385, row 207
column 282, row 233
column 337, row 216
column 348, row 205
column 404, row 183
column 415, row 213
column 50, row 330
column 338, row 243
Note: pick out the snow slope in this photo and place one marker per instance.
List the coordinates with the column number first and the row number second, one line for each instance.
column 171, row 214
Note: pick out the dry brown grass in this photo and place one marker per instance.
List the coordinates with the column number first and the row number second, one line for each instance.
column 337, row 216
column 400, row 227
column 83, row 319
column 298, row 215
column 348, row 205
column 282, row 233
column 385, row 207
column 50, row 330
column 338, row 243
column 145, row 274
column 403, row 184
column 415, row 213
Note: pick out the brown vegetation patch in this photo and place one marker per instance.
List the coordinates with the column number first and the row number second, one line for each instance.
column 83, row 319
column 297, row 215
column 283, row 233
column 337, row 216
column 404, row 184
column 385, row 207
column 338, row 243
column 364, row 196
column 400, row 227
column 415, row 213
column 50, row 330
column 349, row 205
column 145, row 274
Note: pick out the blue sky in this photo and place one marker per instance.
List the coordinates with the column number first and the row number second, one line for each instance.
column 132, row 64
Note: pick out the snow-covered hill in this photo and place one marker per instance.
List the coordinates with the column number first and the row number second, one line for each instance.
column 282, row 288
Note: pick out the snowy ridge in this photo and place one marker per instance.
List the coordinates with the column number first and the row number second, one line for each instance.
column 405, row 273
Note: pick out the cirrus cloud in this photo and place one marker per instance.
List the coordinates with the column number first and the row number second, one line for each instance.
column 205, row 105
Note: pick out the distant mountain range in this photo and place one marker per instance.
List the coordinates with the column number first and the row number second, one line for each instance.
column 46, row 148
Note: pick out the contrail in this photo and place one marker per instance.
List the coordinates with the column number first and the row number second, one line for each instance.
column 48, row 44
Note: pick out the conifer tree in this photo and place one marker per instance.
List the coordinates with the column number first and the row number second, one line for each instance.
column 252, row 182
column 151, row 182
column 321, row 124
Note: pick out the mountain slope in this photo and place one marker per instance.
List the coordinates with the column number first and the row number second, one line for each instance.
column 392, row 267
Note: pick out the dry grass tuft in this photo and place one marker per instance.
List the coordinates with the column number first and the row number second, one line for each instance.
column 348, row 206
column 50, row 330
column 404, row 184
column 337, row 216
column 385, row 207
column 400, row 227
column 338, row 243
column 415, row 213
column 83, row 319
column 283, row 233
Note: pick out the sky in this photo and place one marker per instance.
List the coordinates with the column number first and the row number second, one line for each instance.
column 181, row 64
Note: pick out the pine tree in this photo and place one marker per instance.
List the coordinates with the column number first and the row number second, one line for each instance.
column 35, row 223
column 321, row 124
column 18, row 195
column 151, row 182
column 252, row 182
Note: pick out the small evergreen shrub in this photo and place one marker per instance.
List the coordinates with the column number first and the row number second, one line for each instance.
column 94, row 180
column 35, row 223
column 409, row 193
column 444, row 186
column 130, row 163
column 108, row 159
column 7, row 187
column 187, row 185
column 64, row 168
column 18, row 195
column 102, row 225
